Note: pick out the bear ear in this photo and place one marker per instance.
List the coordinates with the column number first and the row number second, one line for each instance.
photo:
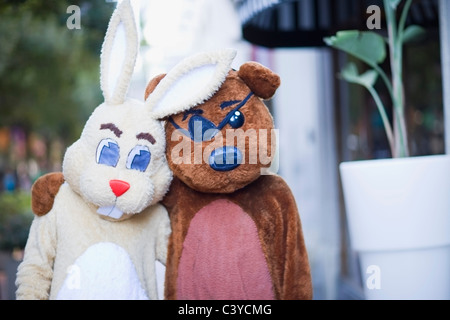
column 261, row 80
column 152, row 85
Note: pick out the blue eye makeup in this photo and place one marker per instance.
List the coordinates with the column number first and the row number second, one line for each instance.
column 108, row 152
column 202, row 129
column 139, row 158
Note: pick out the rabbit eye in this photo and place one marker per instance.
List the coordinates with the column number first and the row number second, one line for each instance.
column 139, row 158
column 108, row 152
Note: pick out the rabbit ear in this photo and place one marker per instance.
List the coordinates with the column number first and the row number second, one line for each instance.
column 119, row 53
column 191, row 82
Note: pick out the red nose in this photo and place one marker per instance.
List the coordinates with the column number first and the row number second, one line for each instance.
column 119, row 187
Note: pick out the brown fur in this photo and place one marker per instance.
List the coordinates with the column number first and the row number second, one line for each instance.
column 152, row 84
column 43, row 192
column 200, row 176
column 259, row 80
column 266, row 199
column 270, row 204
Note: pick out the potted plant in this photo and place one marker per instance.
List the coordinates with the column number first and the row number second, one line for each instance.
column 398, row 209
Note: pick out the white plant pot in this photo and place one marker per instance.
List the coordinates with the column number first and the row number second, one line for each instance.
column 398, row 213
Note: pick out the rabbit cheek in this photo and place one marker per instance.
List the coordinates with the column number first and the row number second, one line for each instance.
column 95, row 187
column 73, row 165
column 138, row 197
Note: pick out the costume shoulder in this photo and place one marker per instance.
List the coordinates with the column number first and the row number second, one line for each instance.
column 274, row 189
column 177, row 190
column 275, row 183
column 43, row 192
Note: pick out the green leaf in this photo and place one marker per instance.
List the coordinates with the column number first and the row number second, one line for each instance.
column 413, row 33
column 350, row 73
column 364, row 45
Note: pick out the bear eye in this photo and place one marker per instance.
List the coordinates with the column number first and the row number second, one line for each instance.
column 237, row 120
column 108, row 152
column 139, row 158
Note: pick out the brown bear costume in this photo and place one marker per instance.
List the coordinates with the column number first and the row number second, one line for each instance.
column 236, row 233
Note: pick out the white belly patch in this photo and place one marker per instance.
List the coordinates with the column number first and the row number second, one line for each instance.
column 103, row 272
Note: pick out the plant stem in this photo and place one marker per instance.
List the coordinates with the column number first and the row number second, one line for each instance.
column 396, row 52
column 401, row 24
column 384, row 118
column 385, row 78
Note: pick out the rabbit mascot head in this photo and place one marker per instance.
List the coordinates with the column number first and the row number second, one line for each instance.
column 118, row 164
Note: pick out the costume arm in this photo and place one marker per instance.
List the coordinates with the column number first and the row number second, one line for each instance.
column 35, row 273
column 162, row 240
column 282, row 238
column 297, row 282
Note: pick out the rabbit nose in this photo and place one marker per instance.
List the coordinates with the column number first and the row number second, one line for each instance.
column 119, row 187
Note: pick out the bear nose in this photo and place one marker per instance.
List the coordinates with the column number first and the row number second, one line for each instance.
column 119, row 187
column 225, row 158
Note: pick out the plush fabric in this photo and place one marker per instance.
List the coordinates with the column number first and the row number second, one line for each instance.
column 270, row 204
column 262, row 83
column 266, row 199
column 241, row 217
column 59, row 239
column 192, row 169
column 91, row 177
column 191, row 82
column 43, row 192
column 118, row 55
column 104, row 270
column 222, row 257
column 104, row 229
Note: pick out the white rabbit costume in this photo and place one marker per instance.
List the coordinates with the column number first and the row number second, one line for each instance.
column 106, row 228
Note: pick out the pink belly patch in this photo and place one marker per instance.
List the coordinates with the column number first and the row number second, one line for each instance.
column 222, row 258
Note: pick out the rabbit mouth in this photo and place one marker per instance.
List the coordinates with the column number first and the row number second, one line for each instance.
column 110, row 211
column 118, row 187
column 117, row 199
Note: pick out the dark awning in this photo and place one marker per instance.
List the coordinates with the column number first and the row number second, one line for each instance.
column 304, row 23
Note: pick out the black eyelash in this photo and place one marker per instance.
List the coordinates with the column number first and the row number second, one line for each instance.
column 192, row 111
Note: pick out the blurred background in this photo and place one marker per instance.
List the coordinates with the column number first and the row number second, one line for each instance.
column 49, row 85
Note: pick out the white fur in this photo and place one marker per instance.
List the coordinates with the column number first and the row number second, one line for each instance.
column 91, row 180
column 191, row 82
column 73, row 233
column 132, row 117
column 58, row 239
column 103, row 272
column 119, row 52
